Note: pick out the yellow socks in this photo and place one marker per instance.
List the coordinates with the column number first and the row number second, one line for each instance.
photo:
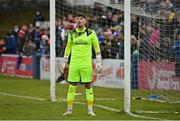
column 71, row 96
column 90, row 98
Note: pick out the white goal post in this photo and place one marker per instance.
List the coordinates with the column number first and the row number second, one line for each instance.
column 52, row 12
column 127, row 56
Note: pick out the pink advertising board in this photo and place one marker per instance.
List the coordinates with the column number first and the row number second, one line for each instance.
column 9, row 66
column 157, row 75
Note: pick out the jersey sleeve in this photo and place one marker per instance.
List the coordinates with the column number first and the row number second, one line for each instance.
column 95, row 43
column 68, row 46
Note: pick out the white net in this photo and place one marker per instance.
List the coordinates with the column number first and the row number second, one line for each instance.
column 155, row 45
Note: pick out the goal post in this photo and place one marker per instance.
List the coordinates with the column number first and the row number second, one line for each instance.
column 127, row 56
column 52, row 12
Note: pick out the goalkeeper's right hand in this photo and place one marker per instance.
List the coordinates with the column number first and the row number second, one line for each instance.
column 64, row 64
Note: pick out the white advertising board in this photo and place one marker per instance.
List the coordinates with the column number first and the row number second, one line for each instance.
column 112, row 75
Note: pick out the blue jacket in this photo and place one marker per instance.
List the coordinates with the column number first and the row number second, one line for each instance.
column 176, row 49
column 11, row 45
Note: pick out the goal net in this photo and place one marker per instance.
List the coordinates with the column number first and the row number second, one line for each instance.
column 155, row 47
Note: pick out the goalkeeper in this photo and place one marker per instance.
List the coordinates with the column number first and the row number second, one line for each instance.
column 80, row 43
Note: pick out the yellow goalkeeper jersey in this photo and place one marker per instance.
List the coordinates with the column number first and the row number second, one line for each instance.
column 80, row 43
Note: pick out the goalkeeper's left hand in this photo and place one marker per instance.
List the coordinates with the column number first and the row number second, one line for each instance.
column 98, row 63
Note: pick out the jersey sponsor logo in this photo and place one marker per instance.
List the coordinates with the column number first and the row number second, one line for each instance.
column 80, row 42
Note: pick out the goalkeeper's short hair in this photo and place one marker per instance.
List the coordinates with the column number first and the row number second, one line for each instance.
column 81, row 15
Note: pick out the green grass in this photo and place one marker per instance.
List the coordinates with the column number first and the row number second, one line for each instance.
column 19, row 108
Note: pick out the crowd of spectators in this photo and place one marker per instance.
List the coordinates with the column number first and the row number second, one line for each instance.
column 153, row 37
column 153, row 33
column 27, row 39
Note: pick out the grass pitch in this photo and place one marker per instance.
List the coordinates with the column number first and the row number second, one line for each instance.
column 28, row 99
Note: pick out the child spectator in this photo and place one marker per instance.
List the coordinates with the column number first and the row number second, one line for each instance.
column 44, row 46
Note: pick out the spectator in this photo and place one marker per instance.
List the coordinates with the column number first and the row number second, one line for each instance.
column 97, row 9
column 38, row 17
column 143, row 41
column 15, row 30
column 115, row 21
column 60, row 37
column 103, row 21
column 118, row 46
column 101, row 37
column 94, row 23
column 44, row 46
column 168, row 4
column 108, row 45
column 155, row 36
column 134, row 62
column 11, row 44
column 171, row 16
column 134, row 25
column 29, row 48
column 165, row 46
column 37, row 37
column 109, row 18
column 134, row 43
column 153, row 42
column 30, row 32
column 176, row 50
column 69, row 22
column 21, row 38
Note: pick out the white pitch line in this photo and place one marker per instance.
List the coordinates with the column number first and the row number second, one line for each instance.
column 97, row 105
column 21, row 96
column 143, row 117
column 42, row 99
column 100, row 106
column 107, row 108
column 96, row 99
